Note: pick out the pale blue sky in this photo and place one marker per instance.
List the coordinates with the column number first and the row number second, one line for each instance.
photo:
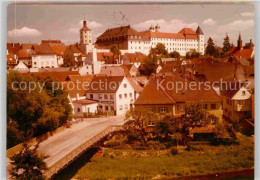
column 37, row 22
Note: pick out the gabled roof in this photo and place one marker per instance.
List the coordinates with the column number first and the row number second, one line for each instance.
column 158, row 92
column 105, row 84
column 199, row 31
column 75, row 49
column 60, row 76
column 231, row 89
column 24, row 53
column 44, row 49
column 112, row 70
column 117, row 32
column 187, row 31
column 244, row 53
column 59, row 50
column 136, row 84
column 13, row 47
column 10, row 58
column 152, row 94
column 79, row 78
column 135, row 57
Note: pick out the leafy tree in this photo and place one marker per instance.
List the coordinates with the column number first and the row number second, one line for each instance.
column 161, row 51
column 28, row 164
column 69, row 59
column 169, row 128
column 226, row 45
column 210, row 49
column 192, row 54
column 195, row 116
column 115, row 50
column 34, row 112
column 175, row 54
column 137, row 122
column 149, row 66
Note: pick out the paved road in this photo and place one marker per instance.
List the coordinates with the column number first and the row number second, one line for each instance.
column 58, row 145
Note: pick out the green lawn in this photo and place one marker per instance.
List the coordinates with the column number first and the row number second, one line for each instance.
column 147, row 164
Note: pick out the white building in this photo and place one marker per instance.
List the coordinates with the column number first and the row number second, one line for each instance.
column 114, row 93
column 44, row 57
column 129, row 40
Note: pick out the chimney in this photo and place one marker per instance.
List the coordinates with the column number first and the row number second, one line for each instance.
column 77, row 96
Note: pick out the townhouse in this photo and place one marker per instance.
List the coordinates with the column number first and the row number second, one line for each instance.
column 114, row 93
column 170, row 95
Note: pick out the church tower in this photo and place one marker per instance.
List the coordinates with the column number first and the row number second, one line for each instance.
column 85, row 34
column 239, row 42
column 85, row 44
column 200, row 35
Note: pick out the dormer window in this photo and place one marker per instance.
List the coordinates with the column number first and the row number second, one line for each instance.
column 243, row 93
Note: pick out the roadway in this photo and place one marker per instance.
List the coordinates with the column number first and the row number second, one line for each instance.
column 60, row 144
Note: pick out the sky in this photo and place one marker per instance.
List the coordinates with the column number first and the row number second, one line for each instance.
column 31, row 23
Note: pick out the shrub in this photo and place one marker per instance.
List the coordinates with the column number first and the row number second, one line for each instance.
column 155, row 145
column 139, row 146
column 174, row 151
column 112, row 143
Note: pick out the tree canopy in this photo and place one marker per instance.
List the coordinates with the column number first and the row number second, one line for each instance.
column 226, row 45
column 35, row 111
column 210, row 49
column 115, row 50
column 68, row 59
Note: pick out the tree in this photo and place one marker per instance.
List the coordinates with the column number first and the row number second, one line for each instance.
column 192, row 54
column 226, row 45
column 34, row 112
column 149, row 66
column 174, row 54
column 196, row 116
column 137, row 122
column 210, row 49
column 28, row 164
column 161, row 51
column 68, row 59
column 169, row 128
column 115, row 50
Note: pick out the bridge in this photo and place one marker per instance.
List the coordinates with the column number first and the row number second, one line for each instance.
column 66, row 146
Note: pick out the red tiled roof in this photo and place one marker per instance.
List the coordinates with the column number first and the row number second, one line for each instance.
column 105, row 84
column 158, row 92
column 24, row 53
column 112, row 70
column 162, row 35
column 118, row 31
column 44, row 48
column 60, row 76
column 85, row 101
column 244, row 53
column 232, row 89
column 79, row 78
column 187, row 31
column 10, row 58
column 13, row 47
column 74, row 48
column 59, row 50
column 136, row 84
column 135, row 57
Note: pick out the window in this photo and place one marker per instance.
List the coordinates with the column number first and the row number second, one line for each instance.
column 35, row 63
column 181, row 107
column 213, row 106
column 91, row 96
column 121, row 107
column 105, row 96
column 112, row 108
column 100, row 96
column 126, row 107
column 111, row 96
column 243, row 93
column 106, row 108
column 150, row 123
column 151, row 109
column 78, row 109
column 163, row 109
column 101, row 107
column 120, row 96
column 125, row 85
column 125, row 95
column 205, row 106
column 130, row 94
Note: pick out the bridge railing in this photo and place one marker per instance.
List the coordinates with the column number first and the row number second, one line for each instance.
column 68, row 158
